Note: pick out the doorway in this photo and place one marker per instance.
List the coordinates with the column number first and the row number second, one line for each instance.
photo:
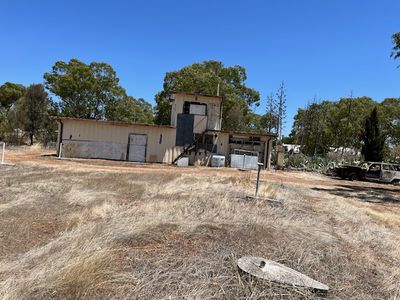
column 137, row 145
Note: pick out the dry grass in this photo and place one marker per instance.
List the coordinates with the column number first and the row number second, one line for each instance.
column 88, row 235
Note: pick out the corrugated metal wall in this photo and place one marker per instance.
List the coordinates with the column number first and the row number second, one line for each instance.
column 160, row 143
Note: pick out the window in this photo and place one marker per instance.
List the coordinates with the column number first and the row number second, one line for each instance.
column 374, row 168
column 195, row 108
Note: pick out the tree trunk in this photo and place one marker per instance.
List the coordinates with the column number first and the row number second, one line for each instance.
column 31, row 138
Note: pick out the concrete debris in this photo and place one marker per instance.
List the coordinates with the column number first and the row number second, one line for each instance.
column 276, row 272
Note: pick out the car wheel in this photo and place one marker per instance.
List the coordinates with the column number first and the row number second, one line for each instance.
column 353, row 177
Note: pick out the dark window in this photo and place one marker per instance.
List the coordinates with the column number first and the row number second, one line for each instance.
column 186, row 107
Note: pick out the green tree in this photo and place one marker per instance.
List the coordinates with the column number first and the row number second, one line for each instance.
column 311, row 128
column 349, row 120
column 389, row 112
column 32, row 110
column 396, row 45
column 204, row 78
column 85, row 90
column 134, row 110
column 9, row 94
column 374, row 141
column 270, row 119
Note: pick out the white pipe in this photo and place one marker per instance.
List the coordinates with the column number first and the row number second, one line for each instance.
column 60, row 152
column 2, row 155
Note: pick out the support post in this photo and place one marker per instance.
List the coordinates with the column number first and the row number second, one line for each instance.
column 260, row 165
column 60, row 151
column 2, row 154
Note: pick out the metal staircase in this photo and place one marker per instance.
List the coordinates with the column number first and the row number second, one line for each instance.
column 189, row 147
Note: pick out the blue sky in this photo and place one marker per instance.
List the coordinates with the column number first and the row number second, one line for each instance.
column 326, row 49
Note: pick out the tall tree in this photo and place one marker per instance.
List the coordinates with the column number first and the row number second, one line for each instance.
column 204, row 78
column 134, row 110
column 270, row 119
column 396, row 45
column 32, row 110
column 281, row 108
column 85, row 90
column 351, row 115
column 374, row 141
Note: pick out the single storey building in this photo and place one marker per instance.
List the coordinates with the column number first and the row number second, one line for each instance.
column 194, row 132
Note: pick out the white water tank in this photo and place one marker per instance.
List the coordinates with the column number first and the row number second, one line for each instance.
column 218, row 161
column 183, row 162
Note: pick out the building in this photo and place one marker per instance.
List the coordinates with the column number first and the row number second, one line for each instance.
column 195, row 132
column 292, row 148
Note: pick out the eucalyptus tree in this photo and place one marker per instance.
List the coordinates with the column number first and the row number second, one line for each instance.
column 208, row 78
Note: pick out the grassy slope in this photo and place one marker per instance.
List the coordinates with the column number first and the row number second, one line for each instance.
column 73, row 234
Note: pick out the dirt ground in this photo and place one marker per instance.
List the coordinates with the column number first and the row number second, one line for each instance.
column 90, row 229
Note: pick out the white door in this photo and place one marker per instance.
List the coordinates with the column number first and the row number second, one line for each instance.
column 137, row 147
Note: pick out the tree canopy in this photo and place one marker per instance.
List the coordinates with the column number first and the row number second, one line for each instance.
column 129, row 109
column 85, row 90
column 92, row 91
column 9, row 94
column 204, row 78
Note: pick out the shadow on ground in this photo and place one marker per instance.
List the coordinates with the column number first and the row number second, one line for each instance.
column 384, row 194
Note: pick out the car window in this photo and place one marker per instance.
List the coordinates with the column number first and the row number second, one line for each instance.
column 387, row 167
column 375, row 167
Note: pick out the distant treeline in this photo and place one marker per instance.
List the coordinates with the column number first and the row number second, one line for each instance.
column 342, row 124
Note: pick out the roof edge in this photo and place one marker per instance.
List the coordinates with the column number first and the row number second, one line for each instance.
column 111, row 122
column 197, row 94
column 254, row 133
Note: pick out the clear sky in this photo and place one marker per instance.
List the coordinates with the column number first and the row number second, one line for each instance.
column 327, row 49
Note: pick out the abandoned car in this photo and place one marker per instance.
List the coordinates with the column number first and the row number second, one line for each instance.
column 375, row 171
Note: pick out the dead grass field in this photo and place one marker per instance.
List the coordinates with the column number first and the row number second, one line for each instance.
column 85, row 229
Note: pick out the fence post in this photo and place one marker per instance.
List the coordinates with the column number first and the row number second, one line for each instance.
column 2, row 154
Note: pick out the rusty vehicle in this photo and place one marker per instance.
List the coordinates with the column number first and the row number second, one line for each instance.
column 374, row 171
